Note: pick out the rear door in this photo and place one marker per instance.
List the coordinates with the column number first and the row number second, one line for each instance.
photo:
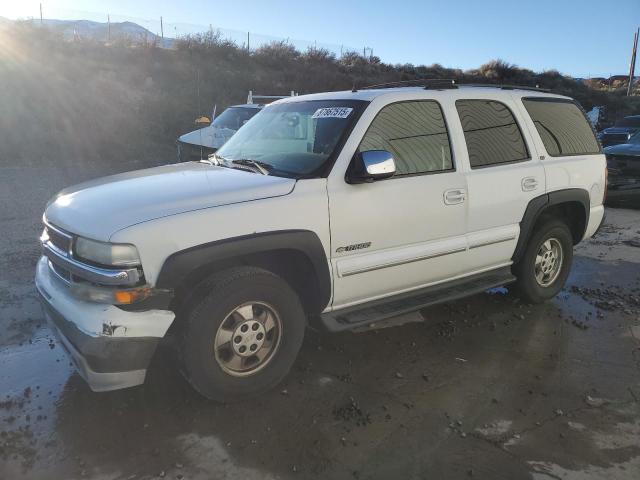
column 504, row 175
column 573, row 156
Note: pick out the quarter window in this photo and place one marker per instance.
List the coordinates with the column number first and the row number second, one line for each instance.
column 415, row 134
column 562, row 126
column 491, row 132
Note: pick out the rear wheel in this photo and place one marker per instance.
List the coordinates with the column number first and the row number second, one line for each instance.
column 543, row 269
column 244, row 334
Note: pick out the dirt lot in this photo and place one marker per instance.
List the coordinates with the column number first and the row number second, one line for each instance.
column 484, row 388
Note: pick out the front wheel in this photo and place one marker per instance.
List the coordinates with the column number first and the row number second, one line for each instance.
column 543, row 269
column 244, row 334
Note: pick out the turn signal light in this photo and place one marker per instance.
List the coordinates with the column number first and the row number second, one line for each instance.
column 126, row 297
column 108, row 295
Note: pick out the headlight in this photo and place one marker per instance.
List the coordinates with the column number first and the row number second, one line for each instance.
column 108, row 254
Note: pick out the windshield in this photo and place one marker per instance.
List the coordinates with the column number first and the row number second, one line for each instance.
column 234, row 117
column 629, row 122
column 294, row 138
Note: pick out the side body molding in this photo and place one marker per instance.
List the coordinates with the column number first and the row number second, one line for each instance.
column 181, row 264
column 538, row 205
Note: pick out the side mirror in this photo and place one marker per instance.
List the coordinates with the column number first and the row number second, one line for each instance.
column 370, row 166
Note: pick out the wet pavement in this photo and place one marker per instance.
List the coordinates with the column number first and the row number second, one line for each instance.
column 486, row 387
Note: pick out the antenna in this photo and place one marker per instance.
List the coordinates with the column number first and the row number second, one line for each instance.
column 632, row 65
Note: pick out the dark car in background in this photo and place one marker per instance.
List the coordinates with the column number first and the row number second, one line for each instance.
column 621, row 132
column 623, row 162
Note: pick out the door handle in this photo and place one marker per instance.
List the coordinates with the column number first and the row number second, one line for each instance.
column 454, row 196
column 529, row 184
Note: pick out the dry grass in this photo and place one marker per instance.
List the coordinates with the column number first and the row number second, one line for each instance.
column 83, row 101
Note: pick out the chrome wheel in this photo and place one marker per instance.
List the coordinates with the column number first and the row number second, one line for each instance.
column 548, row 262
column 247, row 339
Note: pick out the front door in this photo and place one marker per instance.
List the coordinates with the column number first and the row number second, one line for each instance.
column 407, row 231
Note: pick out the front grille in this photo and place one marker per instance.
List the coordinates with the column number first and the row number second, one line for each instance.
column 58, row 238
column 614, row 138
column 62, row 273
column 625, row 158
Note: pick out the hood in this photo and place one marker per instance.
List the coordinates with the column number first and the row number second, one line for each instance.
column 211, row 136
column 99, row 208
column 623, row 149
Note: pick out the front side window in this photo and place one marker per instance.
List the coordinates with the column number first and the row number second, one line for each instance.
column 491, row 133
column 562, row 125
column 294, row 139
column 415, row 134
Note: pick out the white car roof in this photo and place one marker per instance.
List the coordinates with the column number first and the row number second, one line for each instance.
column 403, row 93
column 257, row 106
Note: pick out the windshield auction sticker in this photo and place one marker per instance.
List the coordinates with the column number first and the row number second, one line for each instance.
column 333, row 112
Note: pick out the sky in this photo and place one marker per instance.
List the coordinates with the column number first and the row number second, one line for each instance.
column 580, row 38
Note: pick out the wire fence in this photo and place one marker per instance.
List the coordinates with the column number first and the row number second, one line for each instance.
column 105, row 26
column 108, row 26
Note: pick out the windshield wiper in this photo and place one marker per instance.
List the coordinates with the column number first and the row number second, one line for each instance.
column 255, row 166
column 261, row 167
column 217, row 160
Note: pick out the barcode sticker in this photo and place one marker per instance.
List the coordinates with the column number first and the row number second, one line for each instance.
column 333, row 112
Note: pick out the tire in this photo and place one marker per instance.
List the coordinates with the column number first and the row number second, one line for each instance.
column 546, row 286
column 234, row 299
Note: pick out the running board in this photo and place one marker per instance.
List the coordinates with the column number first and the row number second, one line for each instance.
column 378, row 310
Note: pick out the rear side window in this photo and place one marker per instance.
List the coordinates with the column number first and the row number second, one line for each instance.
column 414, row 133
column 491, row 132
column 562, row 126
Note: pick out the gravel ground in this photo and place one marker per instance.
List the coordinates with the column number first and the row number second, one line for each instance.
column 486, row 387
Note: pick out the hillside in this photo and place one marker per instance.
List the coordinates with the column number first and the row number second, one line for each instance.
column 78, row 101
column 102, row 31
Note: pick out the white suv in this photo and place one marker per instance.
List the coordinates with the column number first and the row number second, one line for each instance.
column 340, row 208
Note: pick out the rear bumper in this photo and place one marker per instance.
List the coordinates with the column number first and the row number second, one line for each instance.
column 110, row 348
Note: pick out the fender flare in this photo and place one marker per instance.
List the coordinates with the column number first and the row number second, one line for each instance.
column 180, row 264
column 538, row 205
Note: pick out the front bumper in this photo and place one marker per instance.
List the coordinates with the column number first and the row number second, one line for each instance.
column 110, row 347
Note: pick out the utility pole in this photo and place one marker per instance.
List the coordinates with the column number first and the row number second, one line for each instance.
column 248, row 47
column 108, row 28
column 41, row 14
column 632, row 65
column 161, row 28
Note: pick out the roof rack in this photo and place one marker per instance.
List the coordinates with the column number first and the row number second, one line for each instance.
column 507, row 86
column 251, row 97
column 426, row 83
column 448, row 83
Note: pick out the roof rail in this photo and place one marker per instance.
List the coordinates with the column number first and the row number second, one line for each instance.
column 507, row 86
column 426, row 83
column 251, row 97
column 448, row 83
